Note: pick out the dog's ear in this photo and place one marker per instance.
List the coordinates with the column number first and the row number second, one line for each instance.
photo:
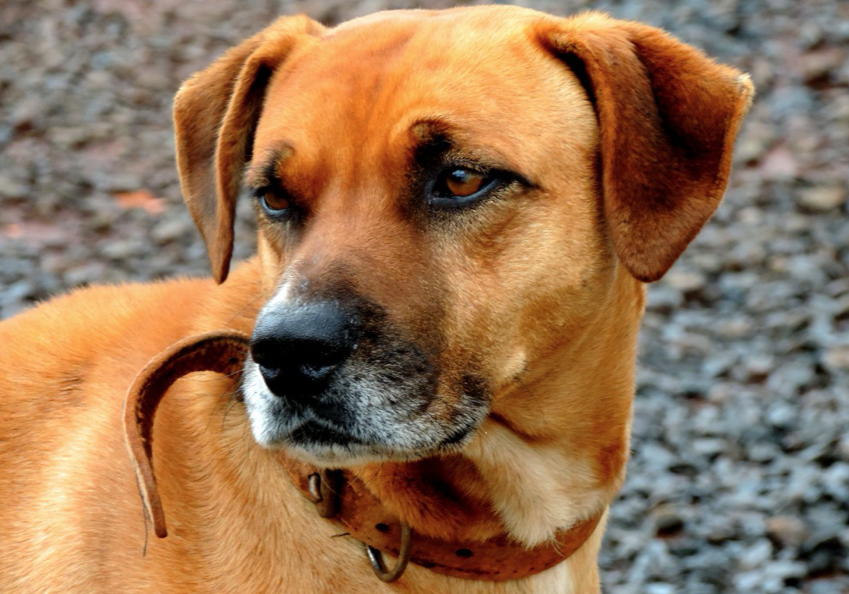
column 668, row 117
column 215, row 117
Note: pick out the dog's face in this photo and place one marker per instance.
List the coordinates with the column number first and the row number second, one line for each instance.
column 434, row 216
column 439, row 211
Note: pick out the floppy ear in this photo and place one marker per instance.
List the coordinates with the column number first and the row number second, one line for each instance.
column 668, row 117
column 215, row 117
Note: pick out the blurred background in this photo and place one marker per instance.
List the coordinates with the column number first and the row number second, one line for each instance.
column 740, row 474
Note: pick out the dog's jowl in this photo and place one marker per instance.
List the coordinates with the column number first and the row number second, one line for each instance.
column 432, row 352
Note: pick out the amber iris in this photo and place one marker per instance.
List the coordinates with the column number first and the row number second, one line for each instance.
column 275, row 201
column 464, row 182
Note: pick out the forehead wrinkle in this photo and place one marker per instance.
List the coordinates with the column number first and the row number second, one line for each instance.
column 358, row 59
column 423, row 85
column 346, row 74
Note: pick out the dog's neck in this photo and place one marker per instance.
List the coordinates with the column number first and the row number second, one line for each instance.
column 551, row 453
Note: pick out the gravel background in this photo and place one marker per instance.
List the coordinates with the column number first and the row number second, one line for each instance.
column 740, row 475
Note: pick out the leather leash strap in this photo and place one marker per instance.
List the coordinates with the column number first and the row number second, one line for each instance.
column 338, row 495
column 222, row 352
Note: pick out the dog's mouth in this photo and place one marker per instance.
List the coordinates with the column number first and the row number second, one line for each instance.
column 325, row 445
column 360, row 419
column 314, row 434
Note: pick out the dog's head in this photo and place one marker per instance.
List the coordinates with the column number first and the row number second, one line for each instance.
column 444, row 201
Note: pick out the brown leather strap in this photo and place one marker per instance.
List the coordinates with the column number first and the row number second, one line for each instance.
column 354, row 507
column 222, row 352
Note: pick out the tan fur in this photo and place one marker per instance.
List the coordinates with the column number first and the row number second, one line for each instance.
column 537, row 290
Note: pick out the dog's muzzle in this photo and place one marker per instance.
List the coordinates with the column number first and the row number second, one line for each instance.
column 340, row 381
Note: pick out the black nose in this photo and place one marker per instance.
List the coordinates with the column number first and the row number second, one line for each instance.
column 299, row 348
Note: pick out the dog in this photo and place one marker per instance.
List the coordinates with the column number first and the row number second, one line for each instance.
column 458, row 212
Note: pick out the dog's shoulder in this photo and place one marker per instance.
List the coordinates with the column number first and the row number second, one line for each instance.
column 95, row 323
column 95, row 335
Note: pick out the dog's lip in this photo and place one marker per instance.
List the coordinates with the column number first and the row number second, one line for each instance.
column 458, row 436
column 312, row 432
column 314, row 438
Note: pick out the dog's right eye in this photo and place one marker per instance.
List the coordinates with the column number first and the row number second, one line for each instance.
column 273, row 204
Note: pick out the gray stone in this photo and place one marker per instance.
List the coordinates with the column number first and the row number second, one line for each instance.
column 788, row 531
column 170, row 230
column 822, row 199
column 837, row 358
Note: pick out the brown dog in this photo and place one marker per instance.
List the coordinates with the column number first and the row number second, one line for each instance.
column 457, row 214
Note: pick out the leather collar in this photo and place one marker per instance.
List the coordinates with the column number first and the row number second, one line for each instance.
column 339, row 495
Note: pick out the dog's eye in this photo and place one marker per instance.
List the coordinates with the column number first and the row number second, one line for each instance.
column 464, row 182
column 273, row 203
column 460, row 186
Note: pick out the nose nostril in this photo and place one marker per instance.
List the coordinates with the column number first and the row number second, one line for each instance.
column 296, row 383
column 317, row 372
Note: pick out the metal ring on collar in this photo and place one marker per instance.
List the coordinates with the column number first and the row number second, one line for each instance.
column 376, row 557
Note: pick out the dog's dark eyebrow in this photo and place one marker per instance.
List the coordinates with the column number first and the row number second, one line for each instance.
column 431, row 138
column 265, row 172
column 434, row 142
